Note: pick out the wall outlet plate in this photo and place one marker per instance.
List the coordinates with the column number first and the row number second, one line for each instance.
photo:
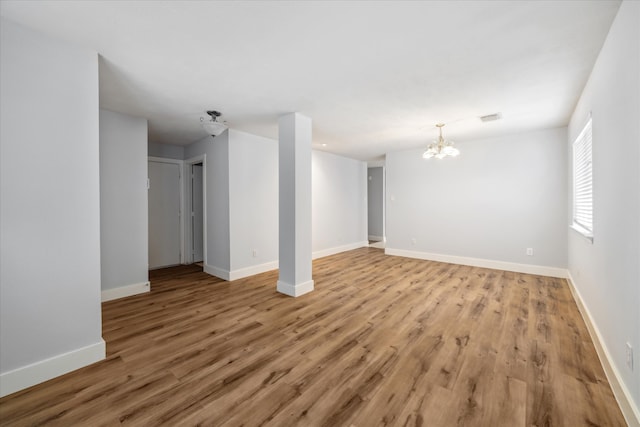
column 630, row 356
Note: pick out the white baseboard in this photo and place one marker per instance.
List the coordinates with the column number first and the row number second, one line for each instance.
column 273, row 265
column 336, row 250
column 125, row 291
column 253, row 270
column 295, row 290
column 44, row 370
column 376, row 238
column 216, row 271
column 620, row 391
column 485, row 263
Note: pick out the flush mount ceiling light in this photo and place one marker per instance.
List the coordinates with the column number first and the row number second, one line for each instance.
column 440, row 148
column 213, row 126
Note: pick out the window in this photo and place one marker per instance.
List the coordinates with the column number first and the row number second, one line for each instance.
column 583, row 183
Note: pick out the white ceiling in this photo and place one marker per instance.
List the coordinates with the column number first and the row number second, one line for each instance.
column 374, row 76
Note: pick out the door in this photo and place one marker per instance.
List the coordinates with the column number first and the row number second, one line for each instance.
column 164, row 214
column 197, row 211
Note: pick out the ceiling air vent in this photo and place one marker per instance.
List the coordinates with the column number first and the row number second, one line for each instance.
column 491, row 117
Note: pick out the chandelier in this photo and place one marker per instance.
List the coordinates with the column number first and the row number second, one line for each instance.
column 440, row 148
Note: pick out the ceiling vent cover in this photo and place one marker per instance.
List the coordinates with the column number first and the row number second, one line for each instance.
column 491, row 117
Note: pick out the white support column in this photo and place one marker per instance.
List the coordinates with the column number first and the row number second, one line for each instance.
column 295, row 204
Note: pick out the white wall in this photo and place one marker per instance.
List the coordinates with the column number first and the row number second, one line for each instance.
column 375, row 202
column 167, row 151
column 253, row 183
column 50, row 319
column 499, row 197
column 123, row 203
column 339, row 203
column 607, row 272
column 217, row 221
column 242, row 203
column 218, row 228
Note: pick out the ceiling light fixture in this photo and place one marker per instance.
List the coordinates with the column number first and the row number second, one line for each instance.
column 213, row 126
column 440, row 148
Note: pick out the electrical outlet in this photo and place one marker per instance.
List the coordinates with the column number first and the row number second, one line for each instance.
column 254, row 253
column 529, row 251
column 630, row 356
column 413, row 241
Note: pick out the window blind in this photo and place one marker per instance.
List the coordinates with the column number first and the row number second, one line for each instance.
column 583, row 181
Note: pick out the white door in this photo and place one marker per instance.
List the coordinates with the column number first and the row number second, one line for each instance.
column 164, row 214
column 197, row 211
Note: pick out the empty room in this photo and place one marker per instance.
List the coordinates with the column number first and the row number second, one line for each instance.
column 320, row 213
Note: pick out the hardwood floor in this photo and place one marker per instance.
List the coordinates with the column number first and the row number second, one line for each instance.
column 381, row 341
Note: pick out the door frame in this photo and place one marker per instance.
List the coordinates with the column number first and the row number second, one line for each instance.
column 187, row 224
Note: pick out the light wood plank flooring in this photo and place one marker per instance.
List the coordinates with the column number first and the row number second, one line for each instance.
column 381, row 341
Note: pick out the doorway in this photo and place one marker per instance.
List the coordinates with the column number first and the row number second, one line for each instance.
column 197, row 213
column 195, row 204
column 375, row 206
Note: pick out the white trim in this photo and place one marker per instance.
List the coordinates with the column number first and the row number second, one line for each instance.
column 125, row 291
column 485, row 263
column 376, row 238
column 295, row 290
column 218, row 272
column 376, row 163
column 164, row 160
column 252, row 270
column 44, row 370
column 196, row 159
column 377, row 245
column 384, row 204
column 273, row 265
column 336, row 250
column 582, row 232
column 620, row 391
